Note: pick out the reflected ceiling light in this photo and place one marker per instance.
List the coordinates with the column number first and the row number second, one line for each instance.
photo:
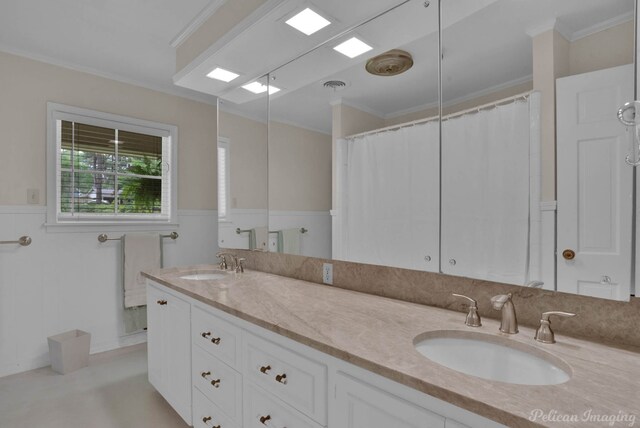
column 259, row 88
column 308, row 22
column 353, row 47
column 222, row 74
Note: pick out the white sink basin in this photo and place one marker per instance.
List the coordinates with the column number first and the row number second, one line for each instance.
column 209, row 276
column 492, row 357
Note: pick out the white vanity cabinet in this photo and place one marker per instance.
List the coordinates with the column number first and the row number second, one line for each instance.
column 242, row 375
column 169, row 348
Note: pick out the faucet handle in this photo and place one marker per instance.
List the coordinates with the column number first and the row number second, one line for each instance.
column 240, row 265
column 544, row 333
column 473, row 318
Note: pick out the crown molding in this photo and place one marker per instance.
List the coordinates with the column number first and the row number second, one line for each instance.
column 202, row 16
column 168, row 89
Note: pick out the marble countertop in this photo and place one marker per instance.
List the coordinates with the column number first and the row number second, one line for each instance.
column 377, row 334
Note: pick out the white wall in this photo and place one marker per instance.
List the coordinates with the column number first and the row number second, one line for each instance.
column 68, row 280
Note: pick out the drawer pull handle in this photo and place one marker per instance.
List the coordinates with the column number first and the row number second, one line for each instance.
column 205, row 374
column 264, row 419
column 207, row 419
column 162, row 302
column 215, row 340
column 216, row 383
column 265, row 369
column 282, row 378
column 205, row 335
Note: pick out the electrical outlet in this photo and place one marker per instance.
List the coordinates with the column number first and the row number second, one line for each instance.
column 327, row 273
column 33, row 196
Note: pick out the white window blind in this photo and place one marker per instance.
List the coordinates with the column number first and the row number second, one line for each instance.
column 109, row 168
column 223, row 178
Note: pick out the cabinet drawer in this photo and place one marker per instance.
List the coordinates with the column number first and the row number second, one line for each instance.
column 360, row 405
column 295, row 379
column 208, row 415
column 216, row 336
column 263, row 410
column 219, row 383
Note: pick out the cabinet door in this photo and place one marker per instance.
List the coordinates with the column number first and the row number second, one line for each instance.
column 177, row 337
column 155, row 333
column 359, row 405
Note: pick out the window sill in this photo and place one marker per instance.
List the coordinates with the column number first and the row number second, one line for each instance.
column 103, row 227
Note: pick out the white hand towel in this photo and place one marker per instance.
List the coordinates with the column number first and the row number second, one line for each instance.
column 262, row 238
column 141, row 252
column 291, row 241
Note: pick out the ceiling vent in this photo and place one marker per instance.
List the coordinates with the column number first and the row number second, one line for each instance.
column 336, row 85
column 390, row 63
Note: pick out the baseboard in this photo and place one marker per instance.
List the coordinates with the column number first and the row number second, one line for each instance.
column 43, row 360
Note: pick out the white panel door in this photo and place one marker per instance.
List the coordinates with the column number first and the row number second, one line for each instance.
column 177, row 337
column 594, row 184
column 155, row 334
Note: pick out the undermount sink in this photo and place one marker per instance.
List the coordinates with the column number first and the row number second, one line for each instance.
column 204, row 276
column 492, row 357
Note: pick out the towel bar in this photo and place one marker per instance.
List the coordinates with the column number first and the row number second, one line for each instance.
column 23, row 240
column 104, row 238
column 302, row 230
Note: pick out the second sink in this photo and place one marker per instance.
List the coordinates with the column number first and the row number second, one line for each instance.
column 492, row 357
column 204, row 276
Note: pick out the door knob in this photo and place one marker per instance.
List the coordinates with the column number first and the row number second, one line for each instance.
column 569, row 254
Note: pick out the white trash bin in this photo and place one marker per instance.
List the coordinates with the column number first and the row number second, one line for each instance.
column 69, row 351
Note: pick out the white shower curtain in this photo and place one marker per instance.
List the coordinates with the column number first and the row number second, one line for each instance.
column 485, row 194
column 391, row 198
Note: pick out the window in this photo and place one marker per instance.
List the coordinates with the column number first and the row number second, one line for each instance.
column 105, row 168
column 223, row 178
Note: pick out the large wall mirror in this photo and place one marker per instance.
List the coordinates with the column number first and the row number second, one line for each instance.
column 243, row 218
column 521, row 178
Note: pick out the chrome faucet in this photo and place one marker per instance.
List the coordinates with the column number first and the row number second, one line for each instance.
column 473, row 318
column 223, row 259
column 534, row 284
column 544, row 333
column 509, row 322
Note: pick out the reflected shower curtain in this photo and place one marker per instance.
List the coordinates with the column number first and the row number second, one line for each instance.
column 485, row 194
column 391, row 198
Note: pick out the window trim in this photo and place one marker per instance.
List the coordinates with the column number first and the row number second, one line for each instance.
column 225, row 143
column 56, row 112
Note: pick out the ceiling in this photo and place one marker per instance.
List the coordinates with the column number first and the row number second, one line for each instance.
column 487, row 44
column 122, row 39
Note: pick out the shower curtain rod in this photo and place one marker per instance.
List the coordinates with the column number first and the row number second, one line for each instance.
column 476, row 109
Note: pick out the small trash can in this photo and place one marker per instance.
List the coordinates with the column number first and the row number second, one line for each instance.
column 69, row 351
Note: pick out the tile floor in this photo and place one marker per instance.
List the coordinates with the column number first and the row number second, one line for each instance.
column 113, row 392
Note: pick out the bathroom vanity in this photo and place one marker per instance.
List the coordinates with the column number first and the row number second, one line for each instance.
column 256, row 349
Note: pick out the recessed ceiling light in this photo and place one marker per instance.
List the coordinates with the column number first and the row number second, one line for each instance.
column 353, row 47
column 308, row 22
column 222, row 74
column 259, row 88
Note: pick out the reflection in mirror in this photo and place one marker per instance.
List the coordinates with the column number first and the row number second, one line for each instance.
column 522, row 82
column 384, row 189
column 242, row 167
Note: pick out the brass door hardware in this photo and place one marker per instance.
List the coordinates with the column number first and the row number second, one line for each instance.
column 569, row 254
column 162, row 302
column 265, row 369
column 215, row 340
column 216, row 383
column 282, row 378
column 208, row 333
column 264, row 419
